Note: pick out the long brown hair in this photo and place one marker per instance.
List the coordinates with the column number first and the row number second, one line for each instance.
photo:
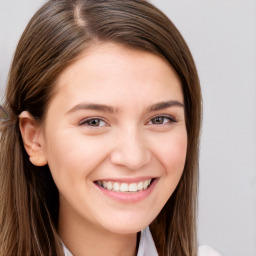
column 56, row 35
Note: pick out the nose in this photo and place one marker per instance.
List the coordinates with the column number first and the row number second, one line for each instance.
column 130, row 150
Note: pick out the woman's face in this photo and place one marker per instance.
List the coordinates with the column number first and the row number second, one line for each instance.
column 115, row 124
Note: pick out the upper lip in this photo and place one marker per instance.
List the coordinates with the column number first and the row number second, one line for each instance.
column 127, row 180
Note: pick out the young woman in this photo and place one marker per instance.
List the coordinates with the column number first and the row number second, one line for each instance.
column 99, row 151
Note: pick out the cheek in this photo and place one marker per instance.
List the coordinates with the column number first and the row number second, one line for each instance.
column 71, row 155
column 172, row 153
column 172, row 157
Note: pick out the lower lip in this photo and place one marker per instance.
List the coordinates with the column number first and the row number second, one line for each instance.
column 128, row 197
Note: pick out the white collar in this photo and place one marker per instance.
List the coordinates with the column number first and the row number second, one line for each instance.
column 146, row 245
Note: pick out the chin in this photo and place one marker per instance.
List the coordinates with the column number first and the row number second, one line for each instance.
column 127, row 225
column 125, row 230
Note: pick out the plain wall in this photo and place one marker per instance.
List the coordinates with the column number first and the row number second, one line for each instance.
column 222, row 38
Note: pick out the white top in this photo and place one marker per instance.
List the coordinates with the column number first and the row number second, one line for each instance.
column 147, row 247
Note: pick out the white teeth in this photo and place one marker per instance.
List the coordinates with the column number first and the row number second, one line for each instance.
column 110, row 185
column 133, row 187
column 125, row 187
column 140, row 186
column 116, row 186
column 105, row 184
column 146, row 183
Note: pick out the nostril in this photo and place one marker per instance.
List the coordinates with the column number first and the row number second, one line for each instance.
column 130, row 150
column 132, row 161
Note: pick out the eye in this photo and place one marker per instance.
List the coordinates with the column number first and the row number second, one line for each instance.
column 93, row 122
column 158, row 120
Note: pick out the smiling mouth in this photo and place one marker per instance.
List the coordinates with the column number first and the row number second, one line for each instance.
column 125, row 187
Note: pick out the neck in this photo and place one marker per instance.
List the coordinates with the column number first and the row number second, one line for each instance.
column 82, row 238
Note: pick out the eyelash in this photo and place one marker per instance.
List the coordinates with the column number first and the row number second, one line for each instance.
column 88, row 122
column 93, row 119
column 169, row 119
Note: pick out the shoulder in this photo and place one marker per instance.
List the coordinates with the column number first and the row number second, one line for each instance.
column 147, row 246
column 205, row 250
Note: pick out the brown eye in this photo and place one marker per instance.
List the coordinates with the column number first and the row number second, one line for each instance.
column 94, row 122
column 158, row 120
column 161, row 120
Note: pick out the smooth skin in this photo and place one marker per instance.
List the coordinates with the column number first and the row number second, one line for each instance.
column 117, row 114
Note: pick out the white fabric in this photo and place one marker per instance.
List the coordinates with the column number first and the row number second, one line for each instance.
column 147, row 247
column 66, row 251
column 205, row 250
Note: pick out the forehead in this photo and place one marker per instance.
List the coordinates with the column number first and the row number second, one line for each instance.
column 108, row 68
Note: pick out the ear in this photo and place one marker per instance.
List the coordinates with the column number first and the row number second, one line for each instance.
column 31, row 132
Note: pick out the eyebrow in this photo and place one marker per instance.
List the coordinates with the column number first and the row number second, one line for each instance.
column 93, row 106
column 110, row 109
column 165, row 104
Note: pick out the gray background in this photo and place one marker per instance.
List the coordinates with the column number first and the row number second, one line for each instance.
column 222, row 38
